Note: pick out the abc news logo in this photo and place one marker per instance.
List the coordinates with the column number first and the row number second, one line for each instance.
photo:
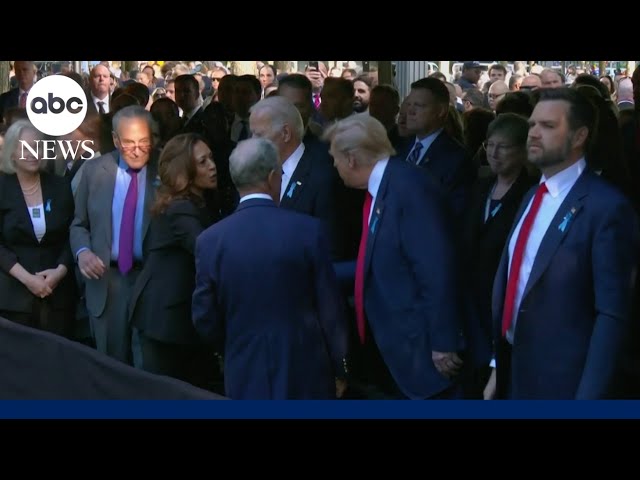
column 56, row 106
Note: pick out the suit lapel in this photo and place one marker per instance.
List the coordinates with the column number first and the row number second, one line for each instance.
column 47, row 202
column 376, row 217
column 298, row 181
column 24, row 208
column 560, row 226
column 107, row 188
column 149, row 195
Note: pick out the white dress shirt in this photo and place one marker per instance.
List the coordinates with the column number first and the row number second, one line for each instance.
column 289, row 166
column 558, row 187
column 256, row 195
column 426, row 143
column 105, row 100
column 374, row 181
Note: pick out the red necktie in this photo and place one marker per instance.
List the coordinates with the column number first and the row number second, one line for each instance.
column 316, row 100
column 23, row 100
column 516, row 260
column 359, row 287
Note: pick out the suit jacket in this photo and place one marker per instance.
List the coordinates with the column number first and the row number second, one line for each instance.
column 484, row 243
column 161, row 299
column 574, row 318
column 312, row 190
column 265, row 289
column 8, row 100
column 92, row 223
column 91, row 107
column 411, row 279
column 18, row 242
column 66, row 370
column 450, row 164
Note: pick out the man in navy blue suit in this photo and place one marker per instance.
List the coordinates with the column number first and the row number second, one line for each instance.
column 406, row 279
column 309, row 182
column 563, row 292
column 433, row 148
column 266, row 291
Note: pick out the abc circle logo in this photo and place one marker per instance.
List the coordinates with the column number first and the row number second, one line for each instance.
column 56, row 105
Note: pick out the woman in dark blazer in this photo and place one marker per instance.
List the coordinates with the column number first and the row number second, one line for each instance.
column 160, row 307
column 36, row 209
column 494, row 204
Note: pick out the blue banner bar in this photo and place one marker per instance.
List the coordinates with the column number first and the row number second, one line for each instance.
column 348, row 409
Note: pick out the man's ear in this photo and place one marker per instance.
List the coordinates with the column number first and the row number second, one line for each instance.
column 580, row 137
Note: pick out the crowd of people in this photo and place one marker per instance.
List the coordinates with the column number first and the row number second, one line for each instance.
column 312, row 235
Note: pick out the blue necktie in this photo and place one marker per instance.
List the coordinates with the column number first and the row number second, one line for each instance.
column 414, row 156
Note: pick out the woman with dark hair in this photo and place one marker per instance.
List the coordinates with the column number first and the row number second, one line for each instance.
column 160, row 308
column 495, row 202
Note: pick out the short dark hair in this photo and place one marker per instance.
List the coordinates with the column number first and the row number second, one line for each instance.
column 297, row 80
column 582, row 112
column 437, row 88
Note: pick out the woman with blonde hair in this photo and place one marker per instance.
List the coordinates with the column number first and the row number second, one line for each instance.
column 36, row 210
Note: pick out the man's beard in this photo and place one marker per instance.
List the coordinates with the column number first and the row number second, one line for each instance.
column 548, row 158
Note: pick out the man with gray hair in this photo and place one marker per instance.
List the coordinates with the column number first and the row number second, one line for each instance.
column 266, row 293
column 308, row 182
column 108, row 233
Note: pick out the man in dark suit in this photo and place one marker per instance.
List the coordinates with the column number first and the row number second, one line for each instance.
column 39, row 365
column 17, row 97
column 297, row 88
column 563, row 291
column 266, row 292
column 308, row 182
column 98, row 94
column 406, row 277
column 434, row 149
column 108, row 232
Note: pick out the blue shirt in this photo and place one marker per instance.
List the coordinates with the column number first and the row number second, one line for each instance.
column 123, row 179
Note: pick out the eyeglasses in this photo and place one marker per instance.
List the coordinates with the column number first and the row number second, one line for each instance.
column 214, row 79
column 526, row 87
column 497, row 147
column 130, row 147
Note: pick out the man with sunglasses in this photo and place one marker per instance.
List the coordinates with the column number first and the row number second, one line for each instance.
column 108, row 232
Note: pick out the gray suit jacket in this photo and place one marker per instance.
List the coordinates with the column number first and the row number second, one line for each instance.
column 91, row 227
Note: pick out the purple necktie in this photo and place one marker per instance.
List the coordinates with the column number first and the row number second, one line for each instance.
column 127, row 225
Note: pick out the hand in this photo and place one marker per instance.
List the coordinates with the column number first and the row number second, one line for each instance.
column 90, row 265
column 490, row 390
column 341, row 387
column 38, row 286
column 447, row 363
column 52, row 276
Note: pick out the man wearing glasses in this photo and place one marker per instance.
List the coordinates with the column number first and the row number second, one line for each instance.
column 111, row 220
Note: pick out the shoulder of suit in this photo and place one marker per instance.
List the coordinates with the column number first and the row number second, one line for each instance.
column 604, row 193
column 182, row 206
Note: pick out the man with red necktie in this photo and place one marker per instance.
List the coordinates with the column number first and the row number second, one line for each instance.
column 563, row 292
column 17, row 97
column 408, row 324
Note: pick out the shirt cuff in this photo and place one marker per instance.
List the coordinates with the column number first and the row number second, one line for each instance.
column 80, row 251
column 492, row 363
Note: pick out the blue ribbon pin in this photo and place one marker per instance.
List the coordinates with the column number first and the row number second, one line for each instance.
column 496, row 210
column 292, row 188
column 47, row 208
column 373, row 225
column 567, row 218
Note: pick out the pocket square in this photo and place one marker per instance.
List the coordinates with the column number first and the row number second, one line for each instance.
column 47, row 208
